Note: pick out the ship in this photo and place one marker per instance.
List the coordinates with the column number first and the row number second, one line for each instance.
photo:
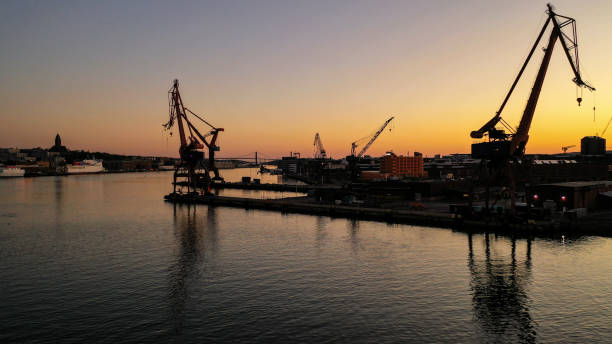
column 85, row 167
column 11, row 171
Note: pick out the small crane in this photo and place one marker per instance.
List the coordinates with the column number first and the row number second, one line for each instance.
column 372, row 138
column 564, row 149
column 192, row 165
column 319, row 150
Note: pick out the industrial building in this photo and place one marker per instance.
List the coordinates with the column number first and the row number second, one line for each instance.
column 593, row 145
column 454, row 166
column 402, row 166
column 570, row 195
column 546, row 171
column 289, row 164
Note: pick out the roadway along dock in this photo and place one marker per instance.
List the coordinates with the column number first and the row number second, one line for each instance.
column 301, row 205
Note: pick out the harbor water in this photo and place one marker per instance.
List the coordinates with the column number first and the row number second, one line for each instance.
column 101, row 258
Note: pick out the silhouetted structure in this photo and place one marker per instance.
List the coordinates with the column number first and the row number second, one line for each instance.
column 503, row 153
column 593, row 145
column 58, row 148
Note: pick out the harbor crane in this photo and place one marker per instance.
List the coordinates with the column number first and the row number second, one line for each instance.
column 504, row 152
column 565, row 148
column 372, row 138
column 502, row 145
column 319, row 150
column 193, row 168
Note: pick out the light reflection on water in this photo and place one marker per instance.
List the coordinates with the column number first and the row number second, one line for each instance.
column 102, row 258
column 500, row 301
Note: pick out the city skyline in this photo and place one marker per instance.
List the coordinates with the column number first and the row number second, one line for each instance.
column 273, row 74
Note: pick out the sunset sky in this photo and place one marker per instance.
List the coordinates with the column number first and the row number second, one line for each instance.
column 273, row 73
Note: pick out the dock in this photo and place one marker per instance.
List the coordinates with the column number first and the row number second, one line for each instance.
column 302, row 205
column 299, row 205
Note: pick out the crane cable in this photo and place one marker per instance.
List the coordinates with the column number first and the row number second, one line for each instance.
column 200, row 118
column 594, row 103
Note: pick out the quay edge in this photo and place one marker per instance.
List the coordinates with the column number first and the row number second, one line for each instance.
column 412, row 217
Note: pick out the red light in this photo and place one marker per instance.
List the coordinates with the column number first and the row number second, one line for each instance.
column 563, row 198
column 535, row 197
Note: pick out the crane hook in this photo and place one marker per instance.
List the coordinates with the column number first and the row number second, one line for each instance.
column 579, row 100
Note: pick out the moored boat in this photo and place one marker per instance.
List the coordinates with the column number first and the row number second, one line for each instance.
column 11, row 171
column 85, row 167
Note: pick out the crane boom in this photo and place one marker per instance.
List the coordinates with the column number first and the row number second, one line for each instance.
column 565, row 148
column 177, row 112
column 606, row 128
column 519, row 140
column 355, row 144
column 490, row 125
column 516, row 145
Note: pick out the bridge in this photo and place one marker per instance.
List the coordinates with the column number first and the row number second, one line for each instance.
column 256, row 157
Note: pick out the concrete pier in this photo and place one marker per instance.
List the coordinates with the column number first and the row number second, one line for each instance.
column 302, row 205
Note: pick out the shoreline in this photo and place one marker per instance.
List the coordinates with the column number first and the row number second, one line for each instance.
column 36, row 175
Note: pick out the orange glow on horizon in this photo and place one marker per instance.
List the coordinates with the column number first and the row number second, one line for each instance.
column 273, row 86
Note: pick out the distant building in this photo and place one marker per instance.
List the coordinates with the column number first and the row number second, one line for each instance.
column 128, row 165
column 551, row 171
column 58, row 148
column 454, row 166
column 367, row 163
column 289, row 164
column 38, row 154
column 5, row 155
column 402, row 166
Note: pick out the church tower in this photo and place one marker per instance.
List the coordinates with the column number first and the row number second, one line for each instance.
column 58, row 145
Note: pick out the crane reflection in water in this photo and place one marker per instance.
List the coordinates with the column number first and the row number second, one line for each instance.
column 58, row 184
column 197, row 244
column 499, row 295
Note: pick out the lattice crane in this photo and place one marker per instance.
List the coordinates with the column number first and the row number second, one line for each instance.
column 565, row 148
column 503, row 152
column 319, row 149
column 193, row 166
column 372, row 138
